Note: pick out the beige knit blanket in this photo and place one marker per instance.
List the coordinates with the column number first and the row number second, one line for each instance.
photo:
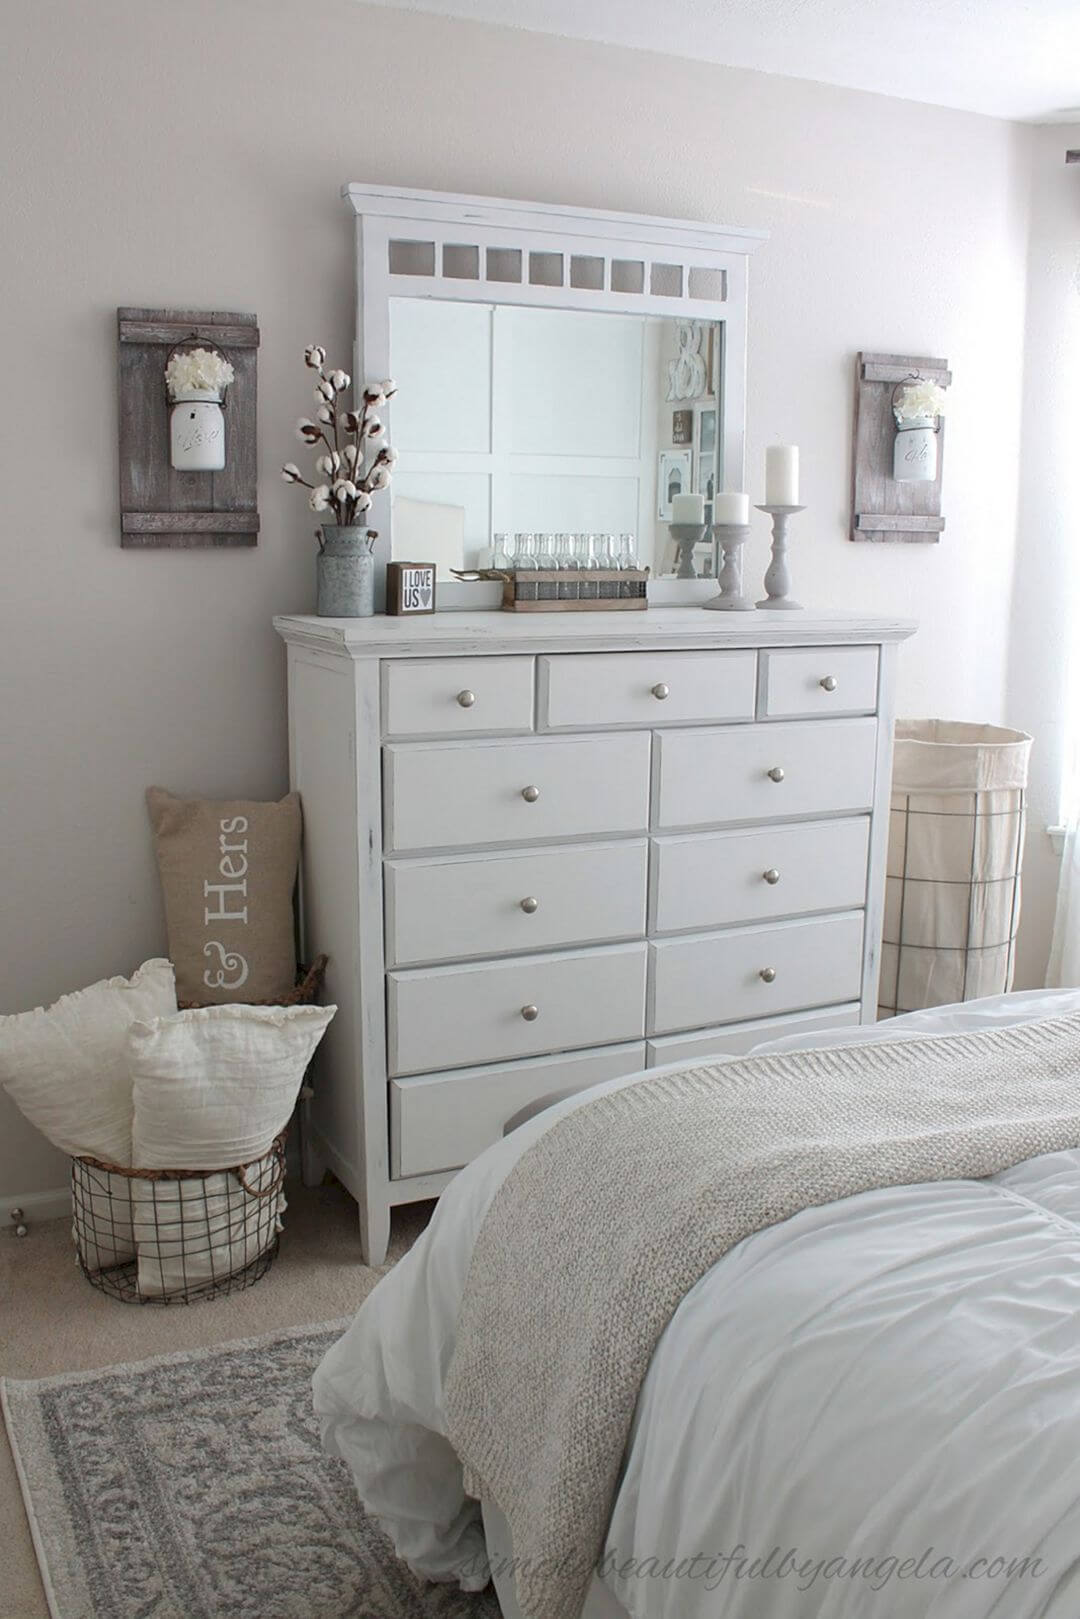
column 607, row 1221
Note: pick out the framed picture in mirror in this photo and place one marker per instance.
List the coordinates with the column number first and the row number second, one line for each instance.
column 673, row 479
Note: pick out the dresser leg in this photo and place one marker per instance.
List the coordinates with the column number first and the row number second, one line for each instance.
column 374, row 1231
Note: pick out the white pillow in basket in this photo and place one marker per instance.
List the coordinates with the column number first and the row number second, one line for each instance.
column 65, row 1068
column 212, row 1089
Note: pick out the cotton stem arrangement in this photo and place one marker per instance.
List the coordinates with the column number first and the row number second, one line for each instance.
column 351, row 459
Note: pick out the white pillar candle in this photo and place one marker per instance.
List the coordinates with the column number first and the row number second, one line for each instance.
column 688, row 508
column 732, row 508
column 782, row 475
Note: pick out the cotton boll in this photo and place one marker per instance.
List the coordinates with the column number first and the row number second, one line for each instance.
column 315, row 357
column 319, row 499
column 340, row 381
column 324, row 391
column 324, row 414
column 307, row 431
column 290, row 472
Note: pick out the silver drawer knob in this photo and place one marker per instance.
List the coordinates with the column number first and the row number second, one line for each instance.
column 767, row 974
column 530, row 1013
column 776, row 773
column 772, row 875
column 530, row 794
column 530, row 905
column 828, row 683
column 660, row 691
column 466, row 699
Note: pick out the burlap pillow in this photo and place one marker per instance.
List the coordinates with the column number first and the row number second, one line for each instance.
column 228, row 871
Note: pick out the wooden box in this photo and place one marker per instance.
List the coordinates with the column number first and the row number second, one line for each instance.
column 575, row 590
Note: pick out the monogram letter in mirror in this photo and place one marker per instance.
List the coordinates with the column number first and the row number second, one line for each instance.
column 562, row 374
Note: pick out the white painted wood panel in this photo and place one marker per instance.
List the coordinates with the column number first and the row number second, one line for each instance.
column 459, row 794
column 448, row 1017
column 703, row 881
column 711, row 978
column 441, row 1121
column 764, row 772
column 505, row 904
column 655, row 688
column 436, row 697
column 733, row 1039
column 819, row 683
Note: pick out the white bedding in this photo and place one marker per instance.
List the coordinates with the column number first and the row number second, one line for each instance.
column 894, row 1379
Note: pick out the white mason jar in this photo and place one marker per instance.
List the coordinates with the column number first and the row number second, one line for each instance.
column 197, row 431
column 915, row 451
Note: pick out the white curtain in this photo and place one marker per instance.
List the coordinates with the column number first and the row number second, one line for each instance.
column 1064, row 969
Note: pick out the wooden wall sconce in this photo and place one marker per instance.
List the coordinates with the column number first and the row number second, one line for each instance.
column 883, row 508
column 160, row 505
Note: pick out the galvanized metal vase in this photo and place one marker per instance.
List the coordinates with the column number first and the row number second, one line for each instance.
column 346, row 572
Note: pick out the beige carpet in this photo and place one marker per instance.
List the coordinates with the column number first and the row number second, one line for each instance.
column 52, row 1320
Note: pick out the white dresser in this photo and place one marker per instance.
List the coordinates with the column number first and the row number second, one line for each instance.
column 543, row 853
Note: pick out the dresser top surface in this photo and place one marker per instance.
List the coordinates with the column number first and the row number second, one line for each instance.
column 453, row 634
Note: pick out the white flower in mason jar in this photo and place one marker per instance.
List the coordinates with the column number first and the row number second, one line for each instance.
column 315, row 357
column 319, row 499
column 339, row 381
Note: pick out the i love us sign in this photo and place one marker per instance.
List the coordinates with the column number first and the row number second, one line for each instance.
column 410, row 587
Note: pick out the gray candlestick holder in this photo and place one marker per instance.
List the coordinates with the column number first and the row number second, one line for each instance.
column 730, row 538
column 686, row 536
column 777, row 578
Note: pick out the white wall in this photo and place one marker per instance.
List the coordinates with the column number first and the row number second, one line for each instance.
column 1043, row 660
column 191, row 155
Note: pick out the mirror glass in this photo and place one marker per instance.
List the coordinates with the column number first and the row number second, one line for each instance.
column 516, row 421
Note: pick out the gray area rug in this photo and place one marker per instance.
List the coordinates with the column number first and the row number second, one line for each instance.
column 193, row 1486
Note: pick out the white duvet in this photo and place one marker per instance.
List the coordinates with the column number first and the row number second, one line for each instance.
column 871, row 1409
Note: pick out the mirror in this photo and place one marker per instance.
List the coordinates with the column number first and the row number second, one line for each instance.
column 515, row 419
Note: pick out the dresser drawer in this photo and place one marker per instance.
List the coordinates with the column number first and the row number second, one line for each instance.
column 706, row 881
column 819, row 681
column 765, row 772
column 646, row 688
column 456, row 696
column 441, row 1121
column 443, row 796
column 734, row 1039
column 446, row 1017
column 501, row 904
column 717, row 977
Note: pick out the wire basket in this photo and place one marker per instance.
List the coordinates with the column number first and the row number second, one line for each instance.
column 171, row 1236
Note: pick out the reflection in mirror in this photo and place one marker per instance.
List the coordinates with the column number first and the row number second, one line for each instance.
column 511, row 420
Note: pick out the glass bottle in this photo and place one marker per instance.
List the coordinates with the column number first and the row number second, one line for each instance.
column 564, row 556
column 546, row 590
column 525, row 559
column 590, row 585
column 627, row 559
column 608, row 561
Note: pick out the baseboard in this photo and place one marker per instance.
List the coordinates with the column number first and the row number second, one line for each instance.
column 54, row 1205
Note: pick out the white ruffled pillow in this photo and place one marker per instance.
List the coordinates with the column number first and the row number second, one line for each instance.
column 66, row 1068
column 213, row 1087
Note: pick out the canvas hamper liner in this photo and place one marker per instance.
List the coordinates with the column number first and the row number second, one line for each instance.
column 956, row 841
column 172, row 1236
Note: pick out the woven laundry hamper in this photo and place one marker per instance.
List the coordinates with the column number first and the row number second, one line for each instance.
column 956, row 843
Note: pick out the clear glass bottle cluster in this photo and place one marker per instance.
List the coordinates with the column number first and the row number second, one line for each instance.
column 568, row 553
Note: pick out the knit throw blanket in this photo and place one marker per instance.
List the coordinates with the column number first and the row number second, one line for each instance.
column 608, row 1220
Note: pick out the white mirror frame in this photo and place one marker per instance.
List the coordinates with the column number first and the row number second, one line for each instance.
column 428, row 222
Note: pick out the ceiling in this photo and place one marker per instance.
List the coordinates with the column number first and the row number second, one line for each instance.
column 1008, row 58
